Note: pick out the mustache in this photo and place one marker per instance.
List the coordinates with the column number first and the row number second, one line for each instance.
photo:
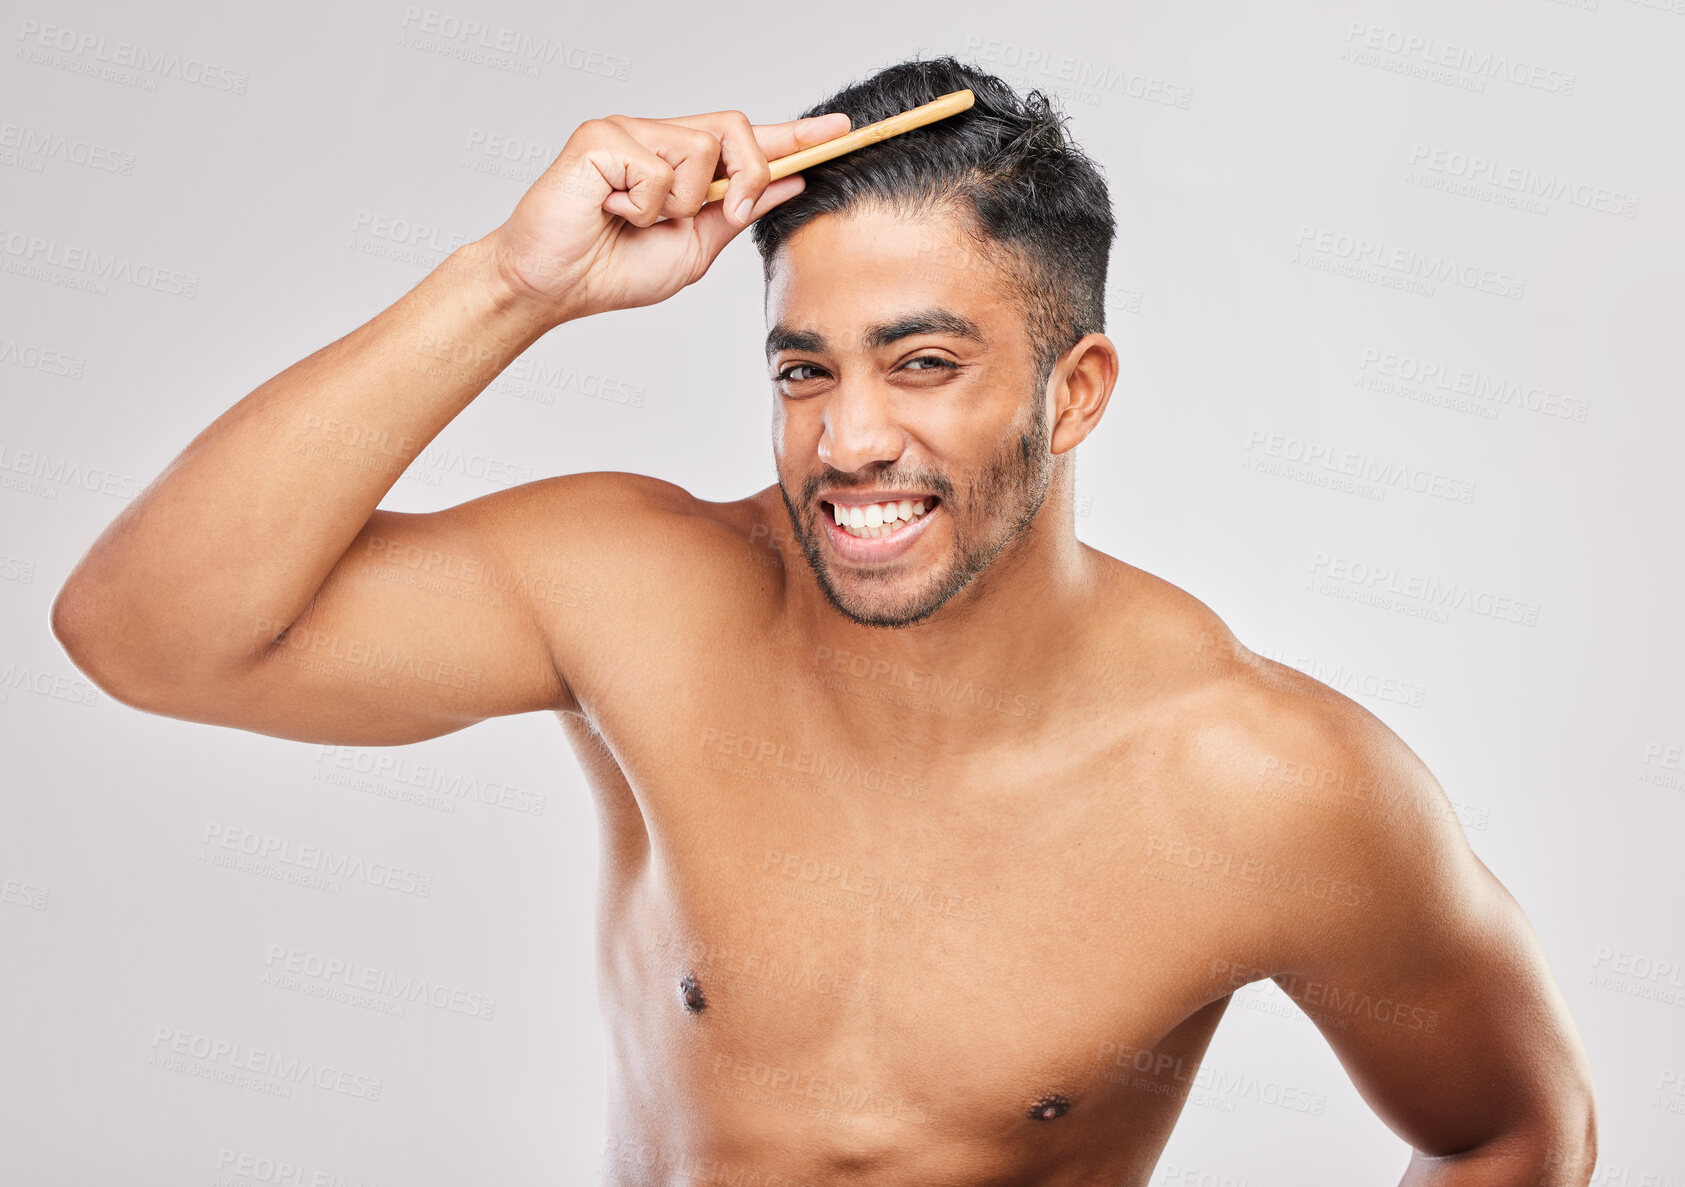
column 831, row 478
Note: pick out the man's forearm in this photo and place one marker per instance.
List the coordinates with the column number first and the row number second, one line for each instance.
column 243, row 527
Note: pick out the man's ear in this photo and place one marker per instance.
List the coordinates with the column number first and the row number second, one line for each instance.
column 1081, row 384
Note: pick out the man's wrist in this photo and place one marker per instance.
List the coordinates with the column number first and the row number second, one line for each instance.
column 492, row 266
column 465, row 321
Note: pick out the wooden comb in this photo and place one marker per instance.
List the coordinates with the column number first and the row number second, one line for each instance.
column 915, row 117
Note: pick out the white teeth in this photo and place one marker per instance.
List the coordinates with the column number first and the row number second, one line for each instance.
column 877, row 519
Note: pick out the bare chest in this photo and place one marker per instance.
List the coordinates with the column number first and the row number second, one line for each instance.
column 815, row 914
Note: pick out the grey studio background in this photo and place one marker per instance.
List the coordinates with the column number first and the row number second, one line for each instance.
column 1396, row 289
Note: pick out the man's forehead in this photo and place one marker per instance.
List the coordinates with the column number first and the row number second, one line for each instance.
column 864, row 280
column 935, row 246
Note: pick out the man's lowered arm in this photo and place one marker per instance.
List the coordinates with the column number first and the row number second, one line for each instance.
column 1433, row 991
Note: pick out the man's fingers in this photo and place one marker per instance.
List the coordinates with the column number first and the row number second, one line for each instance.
column 715, row 230
column 692, row 152
column 742, row 160
column 668, row 165
column 773, row 140
column 640, row 181
column 746, row 148
column 780, row 140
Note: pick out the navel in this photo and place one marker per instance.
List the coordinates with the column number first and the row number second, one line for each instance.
column 690, row 993
column 1049, row 1108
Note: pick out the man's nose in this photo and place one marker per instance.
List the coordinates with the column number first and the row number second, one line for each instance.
column 859, row 428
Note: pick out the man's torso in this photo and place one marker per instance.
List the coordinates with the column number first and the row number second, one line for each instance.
column 835, row 945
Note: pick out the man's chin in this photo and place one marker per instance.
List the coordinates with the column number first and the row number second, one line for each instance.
column 900, row 594
column 882, row 603
column 888, row 618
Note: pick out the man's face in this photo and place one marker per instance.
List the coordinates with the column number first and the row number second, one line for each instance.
column 902, row 377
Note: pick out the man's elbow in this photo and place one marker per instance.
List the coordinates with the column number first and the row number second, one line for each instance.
column 1571, row 1143
column 1571, row 1136
column 93, row 645
column 72, row 625
column 1560, row 1151
column 1556, row 1148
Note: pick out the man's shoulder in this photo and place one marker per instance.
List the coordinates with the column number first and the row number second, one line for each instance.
column 617, row 515
column 1301, row 777
column 615, row 560
column 622, row 569
column 1190, row 666
column 619, row 491
column 1226, row 699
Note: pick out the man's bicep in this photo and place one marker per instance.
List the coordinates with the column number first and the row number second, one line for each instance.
column 1439, row 1029
column 1437, row 1000
column 424, row 626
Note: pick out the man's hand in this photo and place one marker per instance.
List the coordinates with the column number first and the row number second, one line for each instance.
column 585, row 239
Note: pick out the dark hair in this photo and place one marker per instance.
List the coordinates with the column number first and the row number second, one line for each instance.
column 1033, row 202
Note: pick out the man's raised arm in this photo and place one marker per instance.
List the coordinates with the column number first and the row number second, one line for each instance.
column 254, row 583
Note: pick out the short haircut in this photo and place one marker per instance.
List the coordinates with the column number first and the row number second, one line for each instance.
column 1036, row 206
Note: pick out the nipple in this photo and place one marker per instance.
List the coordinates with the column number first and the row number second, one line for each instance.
column 690, row 993
column 1049, row 1107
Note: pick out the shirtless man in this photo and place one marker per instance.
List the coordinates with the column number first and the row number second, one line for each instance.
column 934, row 848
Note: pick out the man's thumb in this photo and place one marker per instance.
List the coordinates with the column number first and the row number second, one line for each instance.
column 716, row 230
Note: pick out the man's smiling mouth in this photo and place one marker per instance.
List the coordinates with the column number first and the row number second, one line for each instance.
column 869, row 521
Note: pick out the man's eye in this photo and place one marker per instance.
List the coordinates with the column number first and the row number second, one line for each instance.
column 786, row 374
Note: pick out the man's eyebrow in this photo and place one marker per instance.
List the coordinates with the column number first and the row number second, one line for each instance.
column 880, row 334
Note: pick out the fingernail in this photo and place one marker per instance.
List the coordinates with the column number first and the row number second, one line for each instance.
column 743, row 209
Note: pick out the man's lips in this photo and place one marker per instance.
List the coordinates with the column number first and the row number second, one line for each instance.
column 892, row 544
column 864, row 498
